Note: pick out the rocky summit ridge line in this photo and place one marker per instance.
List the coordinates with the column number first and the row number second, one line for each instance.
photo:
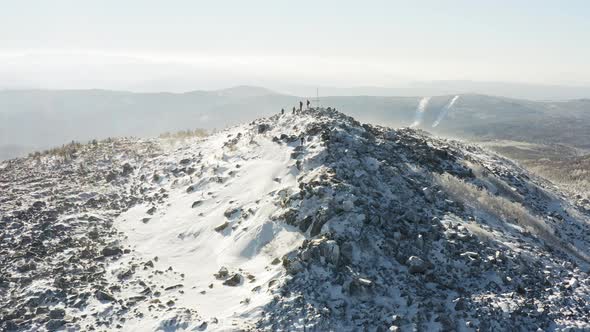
column 361, row 227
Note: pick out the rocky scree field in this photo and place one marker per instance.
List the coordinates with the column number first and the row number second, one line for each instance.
column 359, row 227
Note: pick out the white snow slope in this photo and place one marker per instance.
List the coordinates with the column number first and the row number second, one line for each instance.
column 251, row 177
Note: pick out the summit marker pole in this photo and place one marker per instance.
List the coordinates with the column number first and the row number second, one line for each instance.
column 317, row 97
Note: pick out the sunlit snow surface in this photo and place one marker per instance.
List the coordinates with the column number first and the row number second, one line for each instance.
column 253, row 171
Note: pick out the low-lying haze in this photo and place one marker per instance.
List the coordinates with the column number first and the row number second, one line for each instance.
column 147, row 46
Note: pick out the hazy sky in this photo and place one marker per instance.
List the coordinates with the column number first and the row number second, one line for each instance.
column 179, row 45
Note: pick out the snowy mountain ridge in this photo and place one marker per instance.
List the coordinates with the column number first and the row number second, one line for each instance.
column 358, row 227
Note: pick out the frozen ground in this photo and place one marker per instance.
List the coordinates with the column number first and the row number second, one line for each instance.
column 357, row 228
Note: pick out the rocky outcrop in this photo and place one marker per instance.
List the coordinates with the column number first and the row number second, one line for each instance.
column 394, row 245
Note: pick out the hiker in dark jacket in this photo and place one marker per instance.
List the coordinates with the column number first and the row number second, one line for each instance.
column 302, row 139
column 308, row 104
column 300, row 106
column 293, row 109
column 282, row 111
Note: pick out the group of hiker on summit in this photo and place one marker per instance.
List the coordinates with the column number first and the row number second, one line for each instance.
column 295, row 111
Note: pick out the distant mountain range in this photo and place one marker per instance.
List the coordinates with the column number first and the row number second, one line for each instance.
column 38, row 119
column 437, row 88
column 34, row 119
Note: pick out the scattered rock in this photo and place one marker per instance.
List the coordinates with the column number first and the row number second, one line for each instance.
column 111, row 251
column 263, row 128
column 26, row 267
column 222, row 274
column 472, row 255
column 54, row 324
column 232, row 212
column 221, row 227
column 416, row 265
column 104, row 296
column 127, row 169
column 174, row 287
column 57, row 313
column 331, row 251
column 234, row 280
column 112, row 176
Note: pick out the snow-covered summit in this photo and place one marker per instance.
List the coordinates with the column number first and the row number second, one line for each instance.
column 357, row 227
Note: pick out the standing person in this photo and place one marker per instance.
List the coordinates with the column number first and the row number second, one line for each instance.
column 282, row 111
column 302, row 139
column 300, row 106
column 308, row 104
column 293, row 109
